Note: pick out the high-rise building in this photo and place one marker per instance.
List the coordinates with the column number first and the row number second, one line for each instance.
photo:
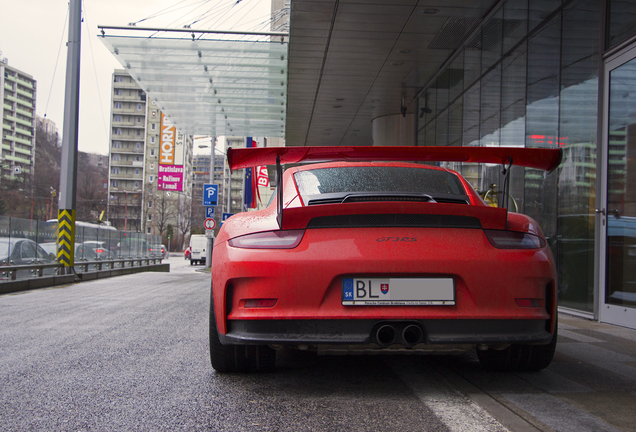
column 136, row 202
column 17, row 92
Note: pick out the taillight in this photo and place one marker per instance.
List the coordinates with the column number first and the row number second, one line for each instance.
column 269, row 240
column 99, row 250
column 514, row 240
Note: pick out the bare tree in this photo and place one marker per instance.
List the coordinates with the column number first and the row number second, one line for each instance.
column 163, row 211
column 184, row 223
column 91, row 194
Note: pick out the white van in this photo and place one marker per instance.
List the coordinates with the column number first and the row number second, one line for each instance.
column 198, row 245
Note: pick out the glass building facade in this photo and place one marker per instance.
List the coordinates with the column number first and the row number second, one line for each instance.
column 532, row 76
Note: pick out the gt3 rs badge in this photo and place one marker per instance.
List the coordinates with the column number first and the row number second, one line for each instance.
column 396, row 239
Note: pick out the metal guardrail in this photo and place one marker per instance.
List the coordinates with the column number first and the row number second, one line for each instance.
column 9, row 272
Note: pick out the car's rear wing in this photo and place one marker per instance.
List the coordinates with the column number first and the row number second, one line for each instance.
column 539, row 158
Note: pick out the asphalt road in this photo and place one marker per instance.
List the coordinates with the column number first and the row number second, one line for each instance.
column 131, row 353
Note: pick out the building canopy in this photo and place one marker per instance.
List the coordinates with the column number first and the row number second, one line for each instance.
column 208, row 86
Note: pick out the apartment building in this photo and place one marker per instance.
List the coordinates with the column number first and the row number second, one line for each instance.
column 137, row 201
column 17, row 92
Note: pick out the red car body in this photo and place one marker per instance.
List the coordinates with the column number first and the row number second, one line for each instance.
column 304, row 273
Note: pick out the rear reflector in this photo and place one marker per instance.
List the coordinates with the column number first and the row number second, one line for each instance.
column 260, row 303
column 269, row 240
column 514, row 240
column 528, row 302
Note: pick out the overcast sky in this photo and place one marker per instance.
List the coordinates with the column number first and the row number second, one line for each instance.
column 33, row 32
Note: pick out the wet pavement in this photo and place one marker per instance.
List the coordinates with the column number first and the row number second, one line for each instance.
column 131, row 353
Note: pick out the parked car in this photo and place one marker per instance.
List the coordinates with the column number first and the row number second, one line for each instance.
column 83, row 251
column 198, row 245
column 102, row 251
column 164, row 252
column 22, row 251
column 355, row 257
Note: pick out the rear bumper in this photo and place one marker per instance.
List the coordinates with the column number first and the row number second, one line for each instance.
column 435, row 331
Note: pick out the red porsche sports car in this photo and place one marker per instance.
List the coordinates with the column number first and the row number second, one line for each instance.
column 368, row 252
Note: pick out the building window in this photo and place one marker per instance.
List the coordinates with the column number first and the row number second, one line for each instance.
column 117, row 118
column 136, row 184
column 154, row 113
column 118, row 132
column 119, row 79
column 152, row 166
column 137, row 158
column 116, row 144
column 148, row 230
column 152, row 152
column 116, row 157
column 136, row 171
column 149, row 216
column 149, row 204
column 138, row 133
column 151, row 178
column 153, row 126
column 139, row 107
column 118, row 92
column 138, row 145
column 152, row 140
column 115, row 170
column 115, row 183
column 118, row 105
column 138, row 119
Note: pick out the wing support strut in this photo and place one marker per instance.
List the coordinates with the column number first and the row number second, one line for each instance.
column 505, row 202
column 279, row 192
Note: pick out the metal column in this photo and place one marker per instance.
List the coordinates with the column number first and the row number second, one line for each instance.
column 68, row 168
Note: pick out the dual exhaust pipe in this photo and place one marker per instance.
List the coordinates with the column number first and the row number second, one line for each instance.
column 408, row 335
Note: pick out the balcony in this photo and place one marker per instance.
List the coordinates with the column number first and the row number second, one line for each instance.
column 25, row 83
column 123, row 176
column 23, row 151
column 123, row 150
column 23, row 112
column 18, row 159
column 25, row 93
column 128, row 138
column 20, row 101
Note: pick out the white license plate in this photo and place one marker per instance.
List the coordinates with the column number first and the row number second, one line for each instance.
column 398, row 292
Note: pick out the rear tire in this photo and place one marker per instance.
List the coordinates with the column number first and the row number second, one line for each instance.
column 519, row 357
column 238, row 358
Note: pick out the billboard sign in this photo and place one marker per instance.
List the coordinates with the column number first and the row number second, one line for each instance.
column 171, row 157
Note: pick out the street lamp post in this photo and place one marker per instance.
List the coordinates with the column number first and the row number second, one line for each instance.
column 208, row 254
column 126, row 212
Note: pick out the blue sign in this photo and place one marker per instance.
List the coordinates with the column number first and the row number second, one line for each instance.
column 210, row 194
column 225, row 217
column 209, row 212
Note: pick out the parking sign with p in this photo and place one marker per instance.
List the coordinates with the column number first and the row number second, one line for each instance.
column 210, row 194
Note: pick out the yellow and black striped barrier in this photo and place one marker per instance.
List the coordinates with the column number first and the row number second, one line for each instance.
column 66, row 237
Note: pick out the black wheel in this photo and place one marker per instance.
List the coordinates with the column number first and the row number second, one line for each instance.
column 519, row 357
column 238, row 358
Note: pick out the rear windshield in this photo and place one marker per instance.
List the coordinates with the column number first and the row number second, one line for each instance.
column 377, row 179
